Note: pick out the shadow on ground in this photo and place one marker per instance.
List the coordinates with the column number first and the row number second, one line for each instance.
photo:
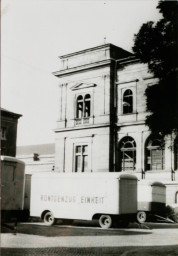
column 62, row 230
column 81, row 228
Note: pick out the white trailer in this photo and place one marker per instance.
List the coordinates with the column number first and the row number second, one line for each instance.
column 151, row 199
column 84, row 196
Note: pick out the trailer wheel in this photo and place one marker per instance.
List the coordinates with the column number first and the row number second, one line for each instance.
column 49, row 218
column 141, row 217
column 105, row 221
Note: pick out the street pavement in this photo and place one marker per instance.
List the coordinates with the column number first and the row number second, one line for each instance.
column 85, row 239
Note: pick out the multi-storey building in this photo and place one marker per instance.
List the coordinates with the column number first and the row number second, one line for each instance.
column 102, row 110
column 9, row 121
column 37, row 158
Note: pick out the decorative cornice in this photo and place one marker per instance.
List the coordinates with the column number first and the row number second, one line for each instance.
column 86, row 50
column 126, row 82
column 82, row 68
column 103, row 46
column 130, row 123
column 79, row 86
column 129, row 60
column 82, row 128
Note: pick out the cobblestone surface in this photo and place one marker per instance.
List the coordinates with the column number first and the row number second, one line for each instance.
column 111, row 251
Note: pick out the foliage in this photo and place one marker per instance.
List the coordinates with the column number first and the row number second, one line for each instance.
column 169, row 212
column 156, row 45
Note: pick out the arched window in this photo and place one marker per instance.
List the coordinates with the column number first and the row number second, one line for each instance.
column 79, row 106
column 127, row 102
column 87, row 102
column 127, row 154
column 83, row 106
column 155, row 159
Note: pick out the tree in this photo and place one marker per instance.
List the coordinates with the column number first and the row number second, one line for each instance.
column 156, row 45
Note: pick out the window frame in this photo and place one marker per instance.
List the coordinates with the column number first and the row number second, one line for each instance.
column 82, row 154
column 126, row 103
column 78, row 101
column 123, row 150
column 83, row 100
column 120, row 91
column 150, row 159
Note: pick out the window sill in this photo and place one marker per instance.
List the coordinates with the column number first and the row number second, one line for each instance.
column 127, row 114
column 82, row 121
column 157, row 171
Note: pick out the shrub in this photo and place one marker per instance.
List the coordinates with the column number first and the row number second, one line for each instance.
column 169, row 212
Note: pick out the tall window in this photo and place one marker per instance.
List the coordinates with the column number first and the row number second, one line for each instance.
column 127, row 102
column 127, row 154
column 81, row 158
column 87, row 101
column 155, row 154
column 79, row 106
column 83, row 106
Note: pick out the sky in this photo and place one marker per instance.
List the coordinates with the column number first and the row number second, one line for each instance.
column 34, row 33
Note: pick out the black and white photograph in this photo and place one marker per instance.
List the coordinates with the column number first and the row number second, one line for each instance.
column 89, row 128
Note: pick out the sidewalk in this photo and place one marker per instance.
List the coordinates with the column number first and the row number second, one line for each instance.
column 135, row 237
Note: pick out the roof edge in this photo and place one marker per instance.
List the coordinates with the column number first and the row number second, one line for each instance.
column 10, row 113
column 92, row 48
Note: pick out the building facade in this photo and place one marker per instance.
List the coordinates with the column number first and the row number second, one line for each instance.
column 9, row 121
column 37, row 158
column 101, row 122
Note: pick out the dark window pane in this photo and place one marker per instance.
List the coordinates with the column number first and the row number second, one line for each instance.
column 128, row 145
column 87, row 109
column 87, row 97
column 87, row 105
column 79, row 110
column 78, row 149
column 79, row 106
column 85, row 149
column 127, row 102
column 79, row 98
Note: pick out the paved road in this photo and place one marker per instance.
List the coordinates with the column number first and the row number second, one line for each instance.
column 86, row 239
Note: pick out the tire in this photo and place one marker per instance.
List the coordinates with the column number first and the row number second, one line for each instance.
column 105, row 221
column 141, row 217
column 49, row 218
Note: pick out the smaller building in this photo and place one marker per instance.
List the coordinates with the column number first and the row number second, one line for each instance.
column 38, row 158
column 9, row 121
